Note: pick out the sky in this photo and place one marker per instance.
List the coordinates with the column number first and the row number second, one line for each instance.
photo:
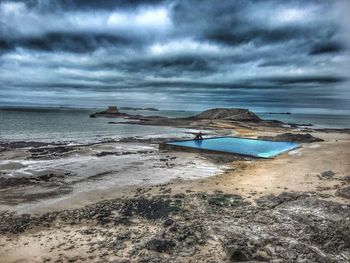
column 270, row 55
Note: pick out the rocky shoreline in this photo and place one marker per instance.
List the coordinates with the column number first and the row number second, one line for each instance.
column 290, row 227
column 161, row 224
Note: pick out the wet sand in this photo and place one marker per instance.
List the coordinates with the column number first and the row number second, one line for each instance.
column 50, row 182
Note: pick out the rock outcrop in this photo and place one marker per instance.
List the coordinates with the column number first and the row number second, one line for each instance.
column 111, row 112
column 292, row 137
column 279, row 228
column 344, row 192
column 112, row 109
column 233, row 114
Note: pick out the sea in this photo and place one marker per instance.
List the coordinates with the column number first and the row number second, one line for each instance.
column 75, row 125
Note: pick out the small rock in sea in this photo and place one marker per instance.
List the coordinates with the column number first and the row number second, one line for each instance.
column 168, row 222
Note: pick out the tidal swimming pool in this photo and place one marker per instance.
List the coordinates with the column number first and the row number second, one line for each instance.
column 235, row 145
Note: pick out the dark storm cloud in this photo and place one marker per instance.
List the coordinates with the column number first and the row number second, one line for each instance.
column 326, row 48
column 85, row 4
column 67, row 41
column 259, row 35
column 306, row 80
column 169, row 66
column 174, row 47
column 236, row 22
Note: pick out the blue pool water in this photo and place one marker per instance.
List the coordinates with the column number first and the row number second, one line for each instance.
column 251, row 147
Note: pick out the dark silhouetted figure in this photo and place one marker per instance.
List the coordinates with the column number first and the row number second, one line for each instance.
column 198, row 136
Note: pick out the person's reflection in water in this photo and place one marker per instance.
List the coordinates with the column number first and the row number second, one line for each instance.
column 198, row 143
column 198, row 139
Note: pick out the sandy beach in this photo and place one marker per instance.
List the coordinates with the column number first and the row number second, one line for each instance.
column 131, row 202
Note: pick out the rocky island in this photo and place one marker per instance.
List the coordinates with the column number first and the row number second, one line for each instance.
column 114, row 112
column 208, row 119
column 232, row 114
column 111, row 112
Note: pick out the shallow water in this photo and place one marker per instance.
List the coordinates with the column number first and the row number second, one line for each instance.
column 257, row 148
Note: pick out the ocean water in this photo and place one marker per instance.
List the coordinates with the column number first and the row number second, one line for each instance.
column 336, row 121
column 74, row 125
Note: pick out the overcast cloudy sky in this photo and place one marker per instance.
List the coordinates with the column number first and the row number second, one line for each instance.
column 270, row 54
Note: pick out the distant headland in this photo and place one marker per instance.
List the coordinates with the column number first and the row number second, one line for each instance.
column 233, row 114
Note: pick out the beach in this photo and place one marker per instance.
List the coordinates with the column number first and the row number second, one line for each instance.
column 127, row 201
column 155, row 131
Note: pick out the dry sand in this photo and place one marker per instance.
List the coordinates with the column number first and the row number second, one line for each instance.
column 298, row 170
